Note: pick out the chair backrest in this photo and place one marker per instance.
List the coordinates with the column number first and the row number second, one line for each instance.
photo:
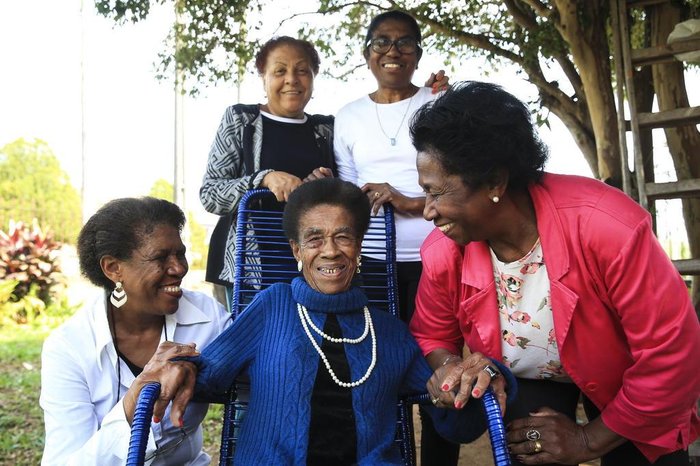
column 263, row 257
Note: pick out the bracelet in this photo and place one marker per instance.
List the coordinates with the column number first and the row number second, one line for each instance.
column 447, row 359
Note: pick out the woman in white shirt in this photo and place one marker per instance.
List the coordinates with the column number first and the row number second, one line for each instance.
column 95, row 364
column 373, row 150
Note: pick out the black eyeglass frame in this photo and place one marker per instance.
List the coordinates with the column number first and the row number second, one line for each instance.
column 394, row 43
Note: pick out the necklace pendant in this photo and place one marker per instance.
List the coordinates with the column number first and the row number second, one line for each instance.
column 393, row 141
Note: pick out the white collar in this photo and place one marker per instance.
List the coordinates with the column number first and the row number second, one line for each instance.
column 295, row 121
column 187, row 314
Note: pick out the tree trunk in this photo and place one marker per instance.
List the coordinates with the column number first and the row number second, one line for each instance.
column 683, row 141
column 582, row 134
column 589, row 49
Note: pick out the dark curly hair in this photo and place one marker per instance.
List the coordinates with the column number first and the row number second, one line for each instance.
column 330, row 191
column 476, row 129
column 395, row 15
column 118, row 228
column 304, row 45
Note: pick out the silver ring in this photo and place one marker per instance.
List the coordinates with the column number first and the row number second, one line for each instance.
column 533, row 434
column 436, row 400
column 492, row 371
column 377, row 194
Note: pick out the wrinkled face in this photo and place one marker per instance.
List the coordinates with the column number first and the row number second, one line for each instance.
column 328, row 248
column 392, row 70
column 460, row 212
column 288, row 81
column 153, row 274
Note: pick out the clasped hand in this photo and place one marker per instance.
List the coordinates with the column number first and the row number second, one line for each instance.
column 177, row 379
column 458, row 379
column 282, row 183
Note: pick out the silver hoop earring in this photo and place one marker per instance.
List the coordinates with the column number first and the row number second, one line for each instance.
column 300, row 265
column 495, row 199
column 359, row 264
column 118, row 297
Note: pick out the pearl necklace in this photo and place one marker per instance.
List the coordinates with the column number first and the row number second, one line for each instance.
column 306, row 321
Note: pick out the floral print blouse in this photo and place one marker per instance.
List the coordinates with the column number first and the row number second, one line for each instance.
column 527, row 328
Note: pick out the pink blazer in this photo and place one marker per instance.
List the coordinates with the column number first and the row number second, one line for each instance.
column 626, row 330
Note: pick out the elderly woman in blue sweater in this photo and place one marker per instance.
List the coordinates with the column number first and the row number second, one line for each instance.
column 325, row 370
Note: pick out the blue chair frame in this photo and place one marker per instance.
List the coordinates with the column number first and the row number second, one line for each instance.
column 263, row 257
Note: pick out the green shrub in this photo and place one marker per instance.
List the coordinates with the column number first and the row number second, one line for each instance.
column 30, row 273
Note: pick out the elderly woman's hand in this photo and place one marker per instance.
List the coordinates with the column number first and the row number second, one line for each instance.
column 176, row 378
column 458, row 378
column 438, row 81
column 281, row 184
column 318, row 173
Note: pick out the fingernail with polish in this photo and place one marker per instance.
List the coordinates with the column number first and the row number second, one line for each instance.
column 156, row 419
column 182, row 423
column 476, row 392
column 445, row 388
column 458, row 404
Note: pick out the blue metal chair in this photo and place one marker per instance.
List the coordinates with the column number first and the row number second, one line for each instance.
column 263, row 257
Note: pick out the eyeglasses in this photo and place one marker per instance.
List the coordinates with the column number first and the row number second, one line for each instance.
column 405, row 45
column 168, row 447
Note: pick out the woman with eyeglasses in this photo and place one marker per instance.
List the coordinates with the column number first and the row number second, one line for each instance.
column 373, row 150
column 95, row 364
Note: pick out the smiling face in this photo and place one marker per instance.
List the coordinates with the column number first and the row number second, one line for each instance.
column 153, row 274
column 328, row 248
column 392, row 70
column 288, row 81
column 461, row 213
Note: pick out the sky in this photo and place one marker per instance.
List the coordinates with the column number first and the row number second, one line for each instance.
column 128, row 122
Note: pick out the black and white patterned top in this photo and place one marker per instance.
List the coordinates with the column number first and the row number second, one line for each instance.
column 234, row 168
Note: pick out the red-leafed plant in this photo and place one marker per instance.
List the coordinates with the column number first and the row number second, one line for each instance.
column 29, row 257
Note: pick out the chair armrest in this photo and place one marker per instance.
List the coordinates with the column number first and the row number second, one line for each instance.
column 497, row 430
column 141, row 424
column 494, row 421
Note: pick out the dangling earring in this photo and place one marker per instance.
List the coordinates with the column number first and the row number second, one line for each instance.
column 495, row 199
column 359, row 264
column 300, row 265
column 118, row 296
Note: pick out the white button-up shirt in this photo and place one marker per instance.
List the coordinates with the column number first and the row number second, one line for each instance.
column 83, row 415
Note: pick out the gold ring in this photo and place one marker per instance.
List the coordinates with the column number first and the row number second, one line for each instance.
column 436, row 400
column 376, row 194
column 538, row 446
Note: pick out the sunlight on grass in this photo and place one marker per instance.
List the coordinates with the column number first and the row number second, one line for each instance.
column 21, row 420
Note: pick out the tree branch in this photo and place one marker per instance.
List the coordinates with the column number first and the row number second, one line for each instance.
column 520, row 16
column 472, row 40
column 539, row 8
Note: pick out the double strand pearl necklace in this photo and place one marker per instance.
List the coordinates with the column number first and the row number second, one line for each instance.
column 306, row 322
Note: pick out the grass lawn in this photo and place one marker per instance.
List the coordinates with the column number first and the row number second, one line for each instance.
column 21, row 418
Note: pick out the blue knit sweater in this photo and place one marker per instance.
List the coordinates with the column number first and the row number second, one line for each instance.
column 267, row 342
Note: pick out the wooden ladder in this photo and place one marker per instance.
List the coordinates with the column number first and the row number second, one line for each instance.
column 626, row 60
